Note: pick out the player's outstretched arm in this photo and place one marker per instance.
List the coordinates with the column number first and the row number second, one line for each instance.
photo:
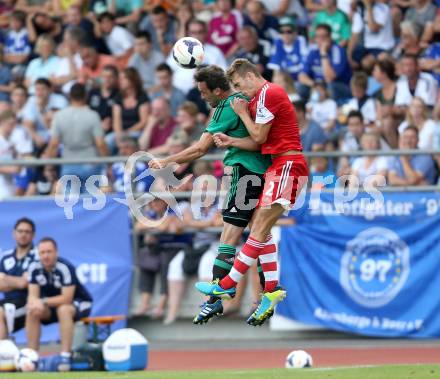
column 199, row 149
column 247, row 143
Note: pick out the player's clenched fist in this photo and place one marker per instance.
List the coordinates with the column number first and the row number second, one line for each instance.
column 239, row 106
column 222, row 140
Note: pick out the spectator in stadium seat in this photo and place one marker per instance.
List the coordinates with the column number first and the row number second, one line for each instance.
column 388, row 114
column 7, row 152
column 45, row 65
column 154, row 258
column 17, row 47
column 39, row 109
column 102, row 99
column 430, row 61
column 159, row 127
column 327, row 62
column 41, row 23
column 145, row 59
column 410, row 170
column 78, row 129
column 409, row 40
column 290, row 50
column 162, row 29
column 369, row 170
column 19, row 97
column 119, row 177
column 284, row 79
column 6, row 83
column 377, row 34
column 336, row 19
column 187, row 130
column 183, row 15
column 43, row 181
column 265, row 24
column 360, row 100
column 93, row 64
column 422, row 13
column 13, row 274
column 224, row 26
column 322, row 109
column 127, row 12
column 165, row 88
column 55, row 295
column 350, row 140
column 418, row 116
column 119, row 40
column 252, row 49
column 313, row 137
column 183, row 78
column 131, row 109
column 413, row 82
column 70, row 60
column 74, row 18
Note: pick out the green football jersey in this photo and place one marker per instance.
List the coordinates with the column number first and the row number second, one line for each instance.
column 225, row 120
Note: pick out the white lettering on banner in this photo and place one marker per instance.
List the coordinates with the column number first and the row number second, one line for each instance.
column 363, row 208
column 362, row 322
column 374, row 267
column 92, row 273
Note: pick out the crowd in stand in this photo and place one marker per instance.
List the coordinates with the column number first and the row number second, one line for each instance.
column 96, row 78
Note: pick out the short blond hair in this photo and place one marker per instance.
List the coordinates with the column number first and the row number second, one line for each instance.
column 41, row 39
column 241, row 67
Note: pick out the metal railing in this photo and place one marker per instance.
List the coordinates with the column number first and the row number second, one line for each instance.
column 210, row 157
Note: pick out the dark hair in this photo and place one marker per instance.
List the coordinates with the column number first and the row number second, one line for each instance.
column 48, row 239
column 88, row 45
column 357, row 114
column 164, row 67
column 159, row 9
column 414, row 57
column 22, row 87
column 325, row 27
column 134, row 78
column 388, row 67
column 78, row 92
column 44, row 82
column 106, row 15
column 413, row 128
column 76, row 33
column 25, row 220
column 145, row 34
column 112, row 68
column 299, row 105
column 19, row 16
column 213, row 76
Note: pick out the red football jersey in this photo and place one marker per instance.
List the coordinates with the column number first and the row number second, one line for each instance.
column 271, row 105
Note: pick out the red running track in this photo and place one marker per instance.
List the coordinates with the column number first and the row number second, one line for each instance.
column 274, row 358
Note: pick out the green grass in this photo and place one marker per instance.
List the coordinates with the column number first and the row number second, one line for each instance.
column 376, row 372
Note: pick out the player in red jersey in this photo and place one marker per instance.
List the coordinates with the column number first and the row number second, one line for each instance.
column 271, row 122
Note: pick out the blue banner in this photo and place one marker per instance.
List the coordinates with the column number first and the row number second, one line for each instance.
column 95, row 237
column 365, row 267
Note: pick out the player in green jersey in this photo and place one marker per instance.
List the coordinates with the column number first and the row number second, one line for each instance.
column 248, row 166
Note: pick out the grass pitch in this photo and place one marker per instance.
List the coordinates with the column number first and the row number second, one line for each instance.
column 373, row 372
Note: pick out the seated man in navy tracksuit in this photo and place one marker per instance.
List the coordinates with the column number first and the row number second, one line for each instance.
column 55, row 295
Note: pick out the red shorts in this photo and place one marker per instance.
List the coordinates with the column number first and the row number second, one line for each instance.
column 283, row 180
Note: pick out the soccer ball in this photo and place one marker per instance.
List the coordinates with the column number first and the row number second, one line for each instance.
column 298, row 359
column 27, row 360
column 188, row 52
column 8, row 355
